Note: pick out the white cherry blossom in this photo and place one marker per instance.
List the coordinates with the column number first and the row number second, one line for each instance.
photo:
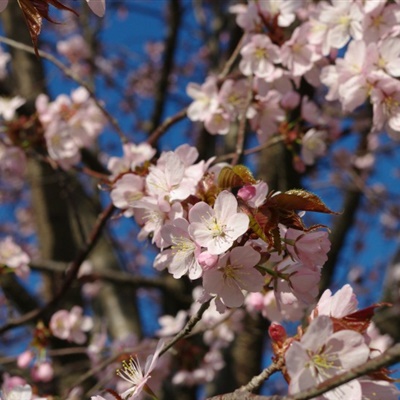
column 217, row 228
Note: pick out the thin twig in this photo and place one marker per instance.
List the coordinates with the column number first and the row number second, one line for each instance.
column 71, row 74
column 188, row 328
column 166, row 125
column 272, row 142
column 231, row 60
column 242, row 124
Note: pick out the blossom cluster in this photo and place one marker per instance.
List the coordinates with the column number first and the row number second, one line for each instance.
column 204, row 231
column 289, row 44
column 70, row 124
column 338, row 338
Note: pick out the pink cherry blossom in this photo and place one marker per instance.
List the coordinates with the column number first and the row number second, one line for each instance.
column 248, row 16
column 12, row 256
column 284, row 10
column 133, row 156
column 171, row 325
column 180, row 258
column 205, row 373
column 135, row 375
column 342, row 303
column 74, row 48
column 296, row 283
column 126, row 192
column 297, row 54
column 311, row 248
column 218, row 122
column 232, row 97
column 259, row 57
column 385, row 98
column 265, row 114
column 70, row 124
column 152, row 214
column 321, row 354
column 313, row 145
column 380, row 20
column 20, row 392
column 205, row 99
column 173, row 177
column 233, row 273
column 334, row 24
column 71, row 325
column 217, row 228
column 378, row 389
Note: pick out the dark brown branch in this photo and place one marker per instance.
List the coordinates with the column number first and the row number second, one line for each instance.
column 188, row 327
column 171, row 41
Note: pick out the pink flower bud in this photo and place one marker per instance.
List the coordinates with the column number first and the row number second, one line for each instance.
column 25, row 358
column 42, row 372
column 277, row 332
column 247, row 192
column 207, row 260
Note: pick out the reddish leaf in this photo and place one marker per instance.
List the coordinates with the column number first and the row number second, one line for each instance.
column 257, row 224
column 34, row 11
column 298, row 199
column 357, row 321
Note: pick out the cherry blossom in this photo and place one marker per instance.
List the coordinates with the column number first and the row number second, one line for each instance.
column 12, row 256
column 126, row 192
column 137, row 377
column 233, row 273
column 322, row 353
column 310, row 248
column 71, row 325
column 335, row 24
column 313, row 145
column 217, row 228
column 342, row 303
column 181, row 257
column 21, row 392
column 297, row 54
column 259, row 57
column 205, row 99
column 171, row 325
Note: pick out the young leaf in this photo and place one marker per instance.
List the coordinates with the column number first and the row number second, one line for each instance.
column 299, row 199
column 34, row 11
column 231, row 177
